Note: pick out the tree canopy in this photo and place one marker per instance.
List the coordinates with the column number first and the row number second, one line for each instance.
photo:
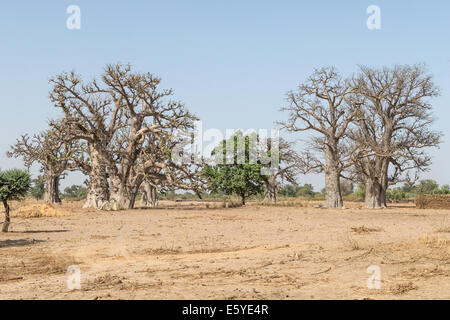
column 233, row 172
column 14, row 185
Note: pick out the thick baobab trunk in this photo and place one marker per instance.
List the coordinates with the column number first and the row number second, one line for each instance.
column 149, row 196
column 122, row 199
column 374, row 194
column 98, row 187
column 52, row 189
column 333, row 196
column 7, row 218
column 270, row 191
column 123, row 196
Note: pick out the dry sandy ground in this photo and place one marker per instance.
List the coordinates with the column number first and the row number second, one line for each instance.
column 253, row 252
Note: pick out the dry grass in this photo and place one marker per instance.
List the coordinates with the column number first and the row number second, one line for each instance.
column 37, row 265
column 351, row 242
column 252, row 252
column 229, row 203
column 365, row 230
column 402, row 288
column 31, row 208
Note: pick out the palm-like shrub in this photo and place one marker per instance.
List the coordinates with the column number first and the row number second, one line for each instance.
column 14, row 185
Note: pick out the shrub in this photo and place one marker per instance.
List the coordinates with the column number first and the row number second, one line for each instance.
column 14, row 185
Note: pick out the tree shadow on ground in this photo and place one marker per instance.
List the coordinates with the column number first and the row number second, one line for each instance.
column 39, row 231
column 18, row 243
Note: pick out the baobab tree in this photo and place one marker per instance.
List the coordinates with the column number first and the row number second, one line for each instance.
column 53, row 151
column 173, row 166
column 324, row 105
column 114, row 116
column 393, row 131
column 287, row 170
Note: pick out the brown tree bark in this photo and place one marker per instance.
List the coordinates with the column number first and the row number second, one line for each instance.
column 333, row 196
column 270, row 190
column 149, row 195
column 242, row 198
column 374, row 194
column 7, row 218
column 52, row 189
column 123, row 195
column 98, row 187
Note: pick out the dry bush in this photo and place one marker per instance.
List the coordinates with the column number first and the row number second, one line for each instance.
column 402, row 288
column 434, row 241
column 351, row 242
column 283, row 203
column 228, row 203
column 41, row 265
column 432, row 201
column 424, row 273
column 31, row 208
column 364, row 230
column 40, row 210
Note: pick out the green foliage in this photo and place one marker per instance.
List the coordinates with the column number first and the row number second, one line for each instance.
column 360, row 192
column 408, row 187
column 74, row 192
column 235, row 174
column 426, row 187
column 444, row 190
column 306, row 191
column 395, row 194
column 14, row 184
column 38, row 188
column 289, row 191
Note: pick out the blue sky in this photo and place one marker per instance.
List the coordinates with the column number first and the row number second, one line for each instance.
column 231, row 62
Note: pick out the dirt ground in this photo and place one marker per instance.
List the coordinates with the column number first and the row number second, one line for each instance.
column 194, row 251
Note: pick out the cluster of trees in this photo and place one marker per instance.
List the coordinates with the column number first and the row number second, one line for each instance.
column 371, row 129
column 119, row 130
column 37, row 190
column 409, row 190
column 247, row 165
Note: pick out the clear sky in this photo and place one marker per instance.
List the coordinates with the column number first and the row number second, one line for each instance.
column 230, row 61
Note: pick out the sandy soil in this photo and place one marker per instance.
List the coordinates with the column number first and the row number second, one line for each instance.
column 253, row 252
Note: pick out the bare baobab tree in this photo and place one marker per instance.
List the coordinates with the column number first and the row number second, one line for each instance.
column 324, row 105
column 287, row 170
column 394, row 128
column 169, row 173
column 114, row 116
column 53, row 151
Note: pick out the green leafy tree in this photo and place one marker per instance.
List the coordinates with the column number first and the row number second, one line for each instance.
column 14, row 185
column 289, row 190
column 360, row 191
column 37, row 190
column 234, row 173
column 443, row 190
column 307, row 191
column 75, row 192
column 395, row 194
column 427, row 186
column 408, row 187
